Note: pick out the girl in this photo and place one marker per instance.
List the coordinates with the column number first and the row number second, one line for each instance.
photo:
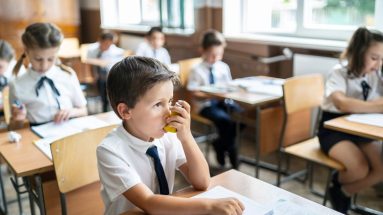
column 355, row 86
column 48, row 91
column 7, row 62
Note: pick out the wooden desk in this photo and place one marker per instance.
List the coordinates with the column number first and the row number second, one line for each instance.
column 27, row 161
column 355, row 128
column 254, row 189
column 257, row 102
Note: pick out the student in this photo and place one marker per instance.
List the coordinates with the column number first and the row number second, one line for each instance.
column 140, row 91
column 354, row 86
column 7, row 62
column 154, row 46
column 48, row 91
column 213, row 71
column 105, row 50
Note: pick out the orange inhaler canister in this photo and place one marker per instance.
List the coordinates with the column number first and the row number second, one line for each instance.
column 169, row 128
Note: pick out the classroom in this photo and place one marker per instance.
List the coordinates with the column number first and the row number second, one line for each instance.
column 191, row 107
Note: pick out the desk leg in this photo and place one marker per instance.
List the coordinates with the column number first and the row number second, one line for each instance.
column 4, row 209
column 37, row 197
column 257, row 140
column 30, row 194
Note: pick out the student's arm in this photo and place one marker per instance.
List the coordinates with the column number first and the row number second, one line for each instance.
column 351, row 105
column 142, row 197
column 63, row 115
column 196, row 169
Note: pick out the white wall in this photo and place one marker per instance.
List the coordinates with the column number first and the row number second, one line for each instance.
column 308, row 64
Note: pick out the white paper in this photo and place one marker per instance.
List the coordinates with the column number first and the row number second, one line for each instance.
column 370, row 119
column 251, row 207
column 286, row 207
column 69, row 127
column 45, row 145
column 262, row 85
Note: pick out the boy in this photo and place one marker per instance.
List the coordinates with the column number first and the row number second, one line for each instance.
column 213, row 71
column 154, row 46
column 140, row 91
column 106, row 51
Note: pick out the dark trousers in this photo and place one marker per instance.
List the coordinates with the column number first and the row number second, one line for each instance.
column 219, row 113
column 101, row 86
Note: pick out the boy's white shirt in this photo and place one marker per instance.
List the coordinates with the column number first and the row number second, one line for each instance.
column 123, row 163
column 338, row 80
column 200, row 76
column 113, row 54
column 145, row 50
column 44, row 107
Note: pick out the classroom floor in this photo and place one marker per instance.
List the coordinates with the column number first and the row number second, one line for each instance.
column 368, row 198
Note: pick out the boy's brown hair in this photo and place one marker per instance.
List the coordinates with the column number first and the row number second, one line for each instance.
column 212, row 38
column 132, row 77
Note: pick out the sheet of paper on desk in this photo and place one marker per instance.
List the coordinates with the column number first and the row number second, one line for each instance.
column 45, row 145
column 286, row 207
column 69, row 127
column 251, row 207
column 262, row 85
column 370, row 119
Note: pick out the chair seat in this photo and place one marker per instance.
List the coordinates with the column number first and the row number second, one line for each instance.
column 310, row 150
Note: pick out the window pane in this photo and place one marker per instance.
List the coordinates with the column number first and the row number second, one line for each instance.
column 339, row 13
column 150, row 12
column 270, row 16
column 129, row 12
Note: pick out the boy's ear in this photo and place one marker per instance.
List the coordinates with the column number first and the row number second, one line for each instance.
column 124, row 111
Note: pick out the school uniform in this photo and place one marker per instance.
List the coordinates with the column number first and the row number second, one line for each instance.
column 113, row 54
column 351, row 86
column 123, row 163
column 161, row 54
column 218, row 111
column 42, row 104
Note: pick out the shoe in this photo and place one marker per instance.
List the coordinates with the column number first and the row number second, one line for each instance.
column 339, row 201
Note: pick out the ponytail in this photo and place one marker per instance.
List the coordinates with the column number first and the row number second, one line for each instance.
column 17, row 67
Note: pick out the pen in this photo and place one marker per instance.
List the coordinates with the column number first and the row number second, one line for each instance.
column 18, row 104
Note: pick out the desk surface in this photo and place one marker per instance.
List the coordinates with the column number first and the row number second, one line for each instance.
column 252, row 188
column 24, row 158
column 355, row 128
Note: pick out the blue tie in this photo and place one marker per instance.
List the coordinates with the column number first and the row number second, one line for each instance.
column 211, row 75
column 40, row 84
column 366, row 89
column 163, row 183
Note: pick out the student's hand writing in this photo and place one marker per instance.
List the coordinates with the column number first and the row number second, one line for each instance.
column 181, row 121
column 61, row 115
column 19, row 112
column 227, row 206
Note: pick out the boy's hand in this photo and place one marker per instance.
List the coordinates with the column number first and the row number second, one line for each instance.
column 61, row 116
column 19, row 112
column 227, row 206
column 181, row 121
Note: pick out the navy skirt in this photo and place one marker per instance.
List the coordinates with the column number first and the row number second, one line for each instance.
column 328, row 137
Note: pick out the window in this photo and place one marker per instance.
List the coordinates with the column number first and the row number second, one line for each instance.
column 141, row 14
column 321, row 19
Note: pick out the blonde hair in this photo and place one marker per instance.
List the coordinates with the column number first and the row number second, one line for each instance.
column 41, row 36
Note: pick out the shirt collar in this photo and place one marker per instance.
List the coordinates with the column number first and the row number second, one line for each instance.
column 134, row 142
column 37, row 75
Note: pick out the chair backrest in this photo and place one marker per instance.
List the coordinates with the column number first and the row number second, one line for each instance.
column 185, row 68
column 74, row 158
column 303, row 92
column 6, row 105
column 302, row 96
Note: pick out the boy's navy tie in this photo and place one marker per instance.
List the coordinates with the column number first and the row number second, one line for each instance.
column 211, row 75
column 40, row 83
column 163, row 183
column 365, row 89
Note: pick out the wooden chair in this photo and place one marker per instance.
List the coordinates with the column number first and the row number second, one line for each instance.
column 209, row 132
column 75, row 165
column 304, row 93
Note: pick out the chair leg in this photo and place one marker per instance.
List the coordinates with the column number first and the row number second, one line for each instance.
column 63, row 204
column 325, row 197
column 279, row 171
column 4, row 209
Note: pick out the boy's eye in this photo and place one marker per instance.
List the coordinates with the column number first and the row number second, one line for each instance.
column 157, row 104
